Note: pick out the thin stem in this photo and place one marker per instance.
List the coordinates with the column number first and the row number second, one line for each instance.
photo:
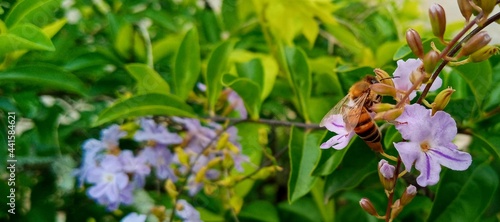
column 143, row 30
column 271, row 122
column 451, row 51
column 391, row 194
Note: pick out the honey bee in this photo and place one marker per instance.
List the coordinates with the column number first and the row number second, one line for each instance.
column 354, row 109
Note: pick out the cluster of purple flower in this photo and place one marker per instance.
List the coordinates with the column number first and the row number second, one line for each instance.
column 113, row 174
column 428, row 136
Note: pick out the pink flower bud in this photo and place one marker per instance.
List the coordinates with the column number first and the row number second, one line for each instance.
column 438, row 20
column 408, row 195
column 367, row 206
column 475, row 43
column 415, row 43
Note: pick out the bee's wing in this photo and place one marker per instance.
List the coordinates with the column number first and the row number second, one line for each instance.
column 349, row 109
column 339, row 108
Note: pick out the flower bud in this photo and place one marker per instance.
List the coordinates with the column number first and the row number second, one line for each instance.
column 222, row 141
column 431, row 60
column 483, row 53
column 486, row 5
column 160, row 212
column 389, row 115
column 438, row 20
column 408, row 195
column 214, row 162
column 171, row 189
column 465, row 9
column 415, row 43
column 367, row 206
column 228, row 161
column 383, row 77
column 200, row 175
column 475, row 43
column 415, row 77
column 182, row 156
column 442, row 99
column 386, row 175
column 381, row 107
column 209, row 188
column 396, row 209
column 383, row 89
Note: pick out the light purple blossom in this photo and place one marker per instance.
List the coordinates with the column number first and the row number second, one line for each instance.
column 150, row 131
column 135, row 165
column 336, row 124
column 237, row 103
column 111, row 135
column 403, row 73
column 160, row 158
column 199, row 136
column 134, row 217
column 187, row 212
column 109, row 180
column 429, row 143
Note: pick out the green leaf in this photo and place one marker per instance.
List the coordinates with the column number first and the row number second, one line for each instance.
column 489, row 141
column 31, row 11
column 44, row 76
column 358, row 163
column 329, row 159
column 464, row 196
column 25, row 36
column 391, row 135
column 251, row 147
column 299, row 76
column 247, row 90
column 148, row 80
column 206, row 215
column 146, row 104
column 217, row 66
column 252, row 70
column 187, row 65
column 326, row 209
column 259, row 211
column 303, row 151
column 479, row 77
column 303, row 210
column 124, row 40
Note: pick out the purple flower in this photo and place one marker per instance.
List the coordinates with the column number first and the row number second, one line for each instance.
column 135, row 165
column 109, row 180
column 156, row 133
column 199, row 136
column 111, row 135
column 429, row 143
column 134, row 217
column 159, row 157
column 336, row 124
column 236, row 102
column 403, row 73
column 187, row 212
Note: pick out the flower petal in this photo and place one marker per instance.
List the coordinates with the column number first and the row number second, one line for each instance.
column 412, row 121
column 336, row 124
column 429, row 169
column 409, row 153
column 403, row 72
column 338, row 141
column 449, row 156
column 444, row 128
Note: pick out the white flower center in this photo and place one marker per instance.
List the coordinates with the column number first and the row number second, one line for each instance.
column 109, row 178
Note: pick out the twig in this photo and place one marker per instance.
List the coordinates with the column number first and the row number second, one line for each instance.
column 265, row 121
column 452, row 51
column 391, row 194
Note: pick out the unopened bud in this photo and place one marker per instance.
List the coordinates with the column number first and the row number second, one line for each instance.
column 389, row 115
column 383, row 89
column 383, row 77
column 160, row 212
column 442, row 99
column 465, row 9
column 408, row 195
column 265, row 172
column 381, row 107
column 214, row 162
column 438, row 20
column 486, row 5
column 386, row 175
column 209, row 188
column 415, row 43
column 396, row 209
column 367, row 206
column 431, row 60
column 171, row 189
column 226, row 182
column 416, row 76
column 222, row 141
column 475, row 43
column 200, row 175
column 182, row 156
column 228, row 161
column 484, row 53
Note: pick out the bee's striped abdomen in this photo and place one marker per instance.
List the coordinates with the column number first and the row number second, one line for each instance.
column 366, row 128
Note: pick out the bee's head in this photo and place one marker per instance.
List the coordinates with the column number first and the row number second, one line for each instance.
column 371, row 79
